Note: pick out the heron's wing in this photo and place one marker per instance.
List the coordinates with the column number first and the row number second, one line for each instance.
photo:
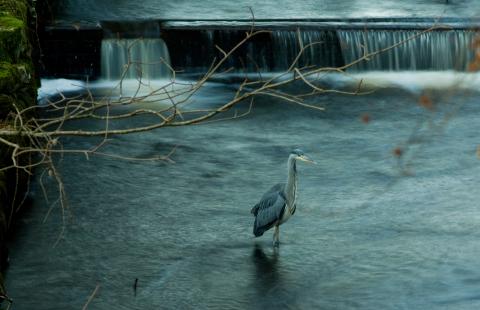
column 277, row 188
column 269, row 197
column 268, row 211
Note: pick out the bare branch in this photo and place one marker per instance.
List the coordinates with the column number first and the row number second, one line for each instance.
column 90, row 298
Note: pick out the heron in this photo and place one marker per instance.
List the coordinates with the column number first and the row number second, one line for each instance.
column 278, row 204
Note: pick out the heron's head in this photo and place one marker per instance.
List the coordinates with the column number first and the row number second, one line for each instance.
column 300, row 155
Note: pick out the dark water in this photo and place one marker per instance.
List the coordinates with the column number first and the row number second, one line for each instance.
column 365, row 234
column 97, row 10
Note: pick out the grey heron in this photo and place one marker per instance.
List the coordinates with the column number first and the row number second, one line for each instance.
column 278, row 204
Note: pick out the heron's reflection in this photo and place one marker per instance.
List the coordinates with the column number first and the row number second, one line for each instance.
column 267, row 273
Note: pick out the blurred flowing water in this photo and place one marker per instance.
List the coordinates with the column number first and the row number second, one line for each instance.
column 144, row 58
column 371, row 231
column 98, row 10
column 149, row 58
column 437, row 50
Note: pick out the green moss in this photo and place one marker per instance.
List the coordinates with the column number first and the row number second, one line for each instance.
column 16, row 87
column 10, row 23
column 16, row 8
column 7, row 76
column 11, row 76
column 14, row 46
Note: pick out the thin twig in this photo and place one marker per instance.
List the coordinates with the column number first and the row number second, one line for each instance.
column 90, row 298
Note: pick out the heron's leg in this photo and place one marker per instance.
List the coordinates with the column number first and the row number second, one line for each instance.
column 276, row 236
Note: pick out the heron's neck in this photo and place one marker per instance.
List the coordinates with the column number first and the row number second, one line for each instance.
column 291, row 188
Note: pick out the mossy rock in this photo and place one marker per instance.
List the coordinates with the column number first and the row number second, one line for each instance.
column 14, row 45
column 15, row 8
column 17, row 86
column 14, row 76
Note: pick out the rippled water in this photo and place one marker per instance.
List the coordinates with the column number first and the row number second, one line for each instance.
column 97, row 10
column 365, row 235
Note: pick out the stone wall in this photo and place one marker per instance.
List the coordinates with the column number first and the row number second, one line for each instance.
column 18, row 90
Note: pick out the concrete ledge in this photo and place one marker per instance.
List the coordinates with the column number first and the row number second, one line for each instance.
column 326, row 24
column 79, row 45
column 113, row 26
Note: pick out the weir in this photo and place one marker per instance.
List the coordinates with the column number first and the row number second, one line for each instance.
column 194, row 46
column 194, row 51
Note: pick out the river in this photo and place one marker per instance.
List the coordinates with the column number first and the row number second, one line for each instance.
column 99, row 10
column 372, row 230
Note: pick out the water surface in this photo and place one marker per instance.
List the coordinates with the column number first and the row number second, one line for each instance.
column 370, row 231
column 98, row 10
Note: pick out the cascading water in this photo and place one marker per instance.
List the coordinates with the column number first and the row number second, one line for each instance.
column 435, row 50
column 274, row 51
column 321, row 48
column 145, row 58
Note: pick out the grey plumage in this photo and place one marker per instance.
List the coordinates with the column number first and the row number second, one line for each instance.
column 269, row 210
column 278, row 203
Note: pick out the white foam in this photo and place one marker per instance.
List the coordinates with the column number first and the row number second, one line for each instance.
column 147, row 93
column 414, row 81
column 50, row 87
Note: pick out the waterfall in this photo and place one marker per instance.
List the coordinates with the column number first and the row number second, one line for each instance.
column 148, row 58
column 270, row 51
column 322, row 48
column 275, row 51
column 435, row 50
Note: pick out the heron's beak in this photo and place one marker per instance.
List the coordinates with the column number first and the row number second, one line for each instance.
column 307, row 159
